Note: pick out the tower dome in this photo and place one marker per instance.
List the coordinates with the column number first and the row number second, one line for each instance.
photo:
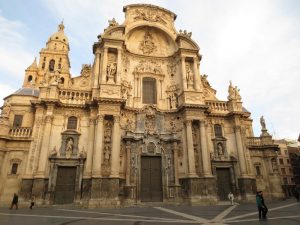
column 58, row 40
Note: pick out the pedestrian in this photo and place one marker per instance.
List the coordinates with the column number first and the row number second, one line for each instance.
column 297, row 193
column 14, row 201
column 32, row 200
column 231, row 198
column 261, row 206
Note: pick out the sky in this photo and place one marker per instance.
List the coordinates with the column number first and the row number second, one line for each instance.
column 255, row 44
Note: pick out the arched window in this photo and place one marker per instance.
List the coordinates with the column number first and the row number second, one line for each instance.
column 29, row 79
column 72, row 123
column 51, row 65
column 149, row 90
column 62, row 80
column 218, row 130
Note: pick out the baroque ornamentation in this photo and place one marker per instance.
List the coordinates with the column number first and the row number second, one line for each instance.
column 6, row 109
column 126, row 88
column 205, row 81
column 147, row 46
column 233, row 93
column 86, row 70
column 185, row 33
column 150, row 15
column 148, row 66
column 108, row 124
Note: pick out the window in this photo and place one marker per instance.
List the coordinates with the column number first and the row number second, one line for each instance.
column 51, row 65
column 285, row 180
column 149, row 90
column 280, row 161
column 218, row 130
column 29, row 78
column 283, row 171
column 62, row 80
column 257, row 168
column 72, row 123
column 14, row 168
column 18, row 121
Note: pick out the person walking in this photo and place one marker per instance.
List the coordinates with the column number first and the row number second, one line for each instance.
column 297, row 193
column 32, row 200
column 14, row 201
column 231, row 198
column 261, row 206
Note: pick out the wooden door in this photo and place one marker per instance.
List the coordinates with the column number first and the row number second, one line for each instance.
column 65, row 185
column 151, row 179
column 223, row 183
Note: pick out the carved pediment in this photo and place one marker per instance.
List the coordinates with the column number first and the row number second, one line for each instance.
column 148, row 66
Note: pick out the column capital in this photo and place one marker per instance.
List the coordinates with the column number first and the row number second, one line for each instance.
column 188, row 122
column 116, row 119
column 92, row 121
column 49, row 118
column 100, row 119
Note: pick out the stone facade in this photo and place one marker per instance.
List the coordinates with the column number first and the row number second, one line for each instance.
column 140, row 124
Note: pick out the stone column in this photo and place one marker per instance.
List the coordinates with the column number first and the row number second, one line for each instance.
column 104, row 65
column 1, row 161
column 97, row 156
column 45, row 144
column 190, row 147
column 119, row 66
column 96, row 69
column 204, row 150
column 183, row 71
column 196, row 75
column 128, row 160
column 90, row 150
column 240, row 150
column 175, row 149
column 115, row 160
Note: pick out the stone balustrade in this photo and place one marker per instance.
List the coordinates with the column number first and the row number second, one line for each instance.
column 259, row 141
column 20, row 132
column 217, row 106
column 74, row 97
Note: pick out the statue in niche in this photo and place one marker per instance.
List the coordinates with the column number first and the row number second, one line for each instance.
column 107, row 132
column 106, row 154
column 6, row 109
column 173, row 101
column 220, row 149
column 263, row 123
column 69, row 147
column 189, row 74
column 111, row 71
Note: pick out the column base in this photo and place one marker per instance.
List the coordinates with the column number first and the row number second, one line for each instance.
column 247, row 188
column 105, row 192
column 199, row 191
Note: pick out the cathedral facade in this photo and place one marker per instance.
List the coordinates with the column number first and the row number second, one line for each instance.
column 138, row 125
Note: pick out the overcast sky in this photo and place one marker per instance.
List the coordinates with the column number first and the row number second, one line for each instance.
column 254, row 43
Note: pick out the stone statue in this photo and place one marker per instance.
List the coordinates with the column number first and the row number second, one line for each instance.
column 262, row 123
column 69, row 147
column 220, row 149
column 111, row 71
column 274, row 165
column 189, row 74
column 237, row 93
column 6, row 109
column 106, row 153
column 231, row 92
column 173, row 101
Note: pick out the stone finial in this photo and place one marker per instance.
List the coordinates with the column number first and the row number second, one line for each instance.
column 112, row 22
column 61, row 26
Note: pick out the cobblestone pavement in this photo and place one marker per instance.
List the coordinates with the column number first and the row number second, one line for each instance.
column 281, row 212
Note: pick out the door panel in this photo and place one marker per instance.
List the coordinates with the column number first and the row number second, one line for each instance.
column 224, row 183
column 151, row 179
column 65, row 185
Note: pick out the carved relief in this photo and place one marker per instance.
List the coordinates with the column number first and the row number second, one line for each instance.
column 148, row 66
column 110, row 90
column 172, row 92
column 150, row 15
column 6, row 109
column 126, row 88
column 108, row 125
column 127, row 121
column 150, row 120
column 147, row 46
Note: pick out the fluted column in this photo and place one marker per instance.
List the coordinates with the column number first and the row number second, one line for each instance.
column 190, row 146
column 119, row 66
column 204, row 150
column 128, row 160
column 183, row 76
column 196, row 75
column 240, row 150
column 98, row 143
column 96, row 69
column 90, row 150
column 104, row 65
column 175, row 149
column 115, row 160
column 45, row 146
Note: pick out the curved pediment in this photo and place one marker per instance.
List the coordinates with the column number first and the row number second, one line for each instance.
column 150, row 41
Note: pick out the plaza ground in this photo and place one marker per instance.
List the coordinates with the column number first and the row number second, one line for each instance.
column 281, row 212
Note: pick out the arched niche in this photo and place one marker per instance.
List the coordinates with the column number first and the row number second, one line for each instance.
column 150, row 41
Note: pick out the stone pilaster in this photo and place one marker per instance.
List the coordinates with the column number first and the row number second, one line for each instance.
column 196, row 75
column 128, row 160
column 190, row 147
column 115, row 161
column 204, row 150
column 183, row 75
column 175, row 151
column 119, row 66
column 98, row 143
column 96, row 69
column 240, row 150
column 90, row 150
column 104, row 66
